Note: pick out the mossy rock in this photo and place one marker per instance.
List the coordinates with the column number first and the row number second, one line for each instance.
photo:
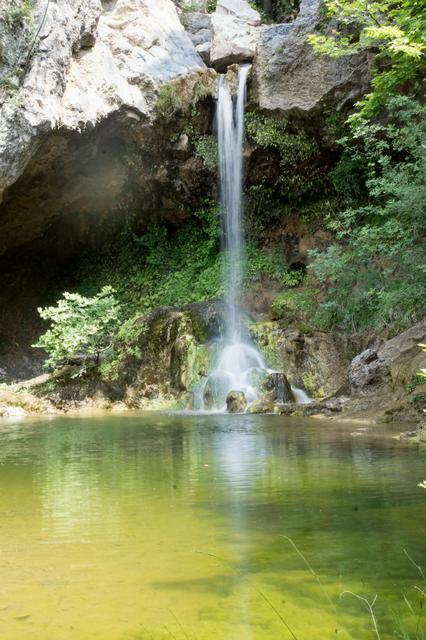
column 268, row 337
column 261, row 406
column 236, row 402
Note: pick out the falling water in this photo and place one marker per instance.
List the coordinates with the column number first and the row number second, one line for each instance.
column 239, row 366
column 230, row 116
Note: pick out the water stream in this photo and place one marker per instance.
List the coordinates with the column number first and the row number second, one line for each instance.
column 239, row 365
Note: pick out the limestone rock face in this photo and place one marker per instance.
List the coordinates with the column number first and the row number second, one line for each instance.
column 239, row 9
column 199, row 25
column 312, row 360
column 288, row 76
column 235, row 31
column 92, row 59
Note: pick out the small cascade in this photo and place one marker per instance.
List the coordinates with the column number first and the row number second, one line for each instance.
column 238, row 364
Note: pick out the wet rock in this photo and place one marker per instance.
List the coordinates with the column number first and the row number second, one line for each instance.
column 236, row 402
column 261, row 406
column 289, row 76
column 215, row 391
column 313, row 360
column 278, row 388
column 367, row 369
column 235, row 33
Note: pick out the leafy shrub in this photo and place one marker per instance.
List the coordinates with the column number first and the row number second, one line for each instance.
column 375, row 274
column 291, row 306
column 168, row 101
column 79, row 326
column 349, row 177
column 16, row 13
column 206, row 148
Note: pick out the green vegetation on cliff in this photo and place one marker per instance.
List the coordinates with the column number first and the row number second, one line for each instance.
column 164, row 266
column 374, row 274
column 169, row 265
column 395, row 31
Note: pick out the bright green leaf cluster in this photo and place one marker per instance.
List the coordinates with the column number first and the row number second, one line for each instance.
column 376, row 275
column 80, row 326
column 394, row 30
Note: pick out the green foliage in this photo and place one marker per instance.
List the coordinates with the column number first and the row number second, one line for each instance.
column 211, row 6
column 349, row 178
column 291, row 306
column 262, row 263
column 206, row 148
column 376, row 275
column 299, row 180
column 79, row 325
column 168, row 101
column 282, row 10
column 172, row 266
column 395, row 30
column 17, row 13
column 273, row 133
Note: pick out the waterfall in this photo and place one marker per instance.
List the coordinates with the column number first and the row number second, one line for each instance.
column 239, row 366
column 230, row 117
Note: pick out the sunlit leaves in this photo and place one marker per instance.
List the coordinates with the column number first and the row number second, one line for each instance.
column 394, row 31
column 80, row 326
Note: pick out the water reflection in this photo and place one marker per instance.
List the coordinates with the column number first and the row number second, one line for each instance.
column 115, row 526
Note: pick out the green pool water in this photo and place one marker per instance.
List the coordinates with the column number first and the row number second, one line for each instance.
column 155, row 526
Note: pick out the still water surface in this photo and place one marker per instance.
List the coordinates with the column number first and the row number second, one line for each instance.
column 153, row 527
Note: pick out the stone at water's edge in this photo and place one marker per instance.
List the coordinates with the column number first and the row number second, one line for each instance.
column 236, row 402
column 278, row 388
column 261, row 406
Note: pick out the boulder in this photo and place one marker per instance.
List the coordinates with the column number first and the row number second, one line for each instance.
column 235, row 33
column 313, row 360
column 388, row 367
column 290, row 77
column 278, row 388
column 236, row 402
column 261, row 406
column 239, row 9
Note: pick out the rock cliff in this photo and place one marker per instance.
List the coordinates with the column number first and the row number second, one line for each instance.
column 90, row 63
column 289, row 77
